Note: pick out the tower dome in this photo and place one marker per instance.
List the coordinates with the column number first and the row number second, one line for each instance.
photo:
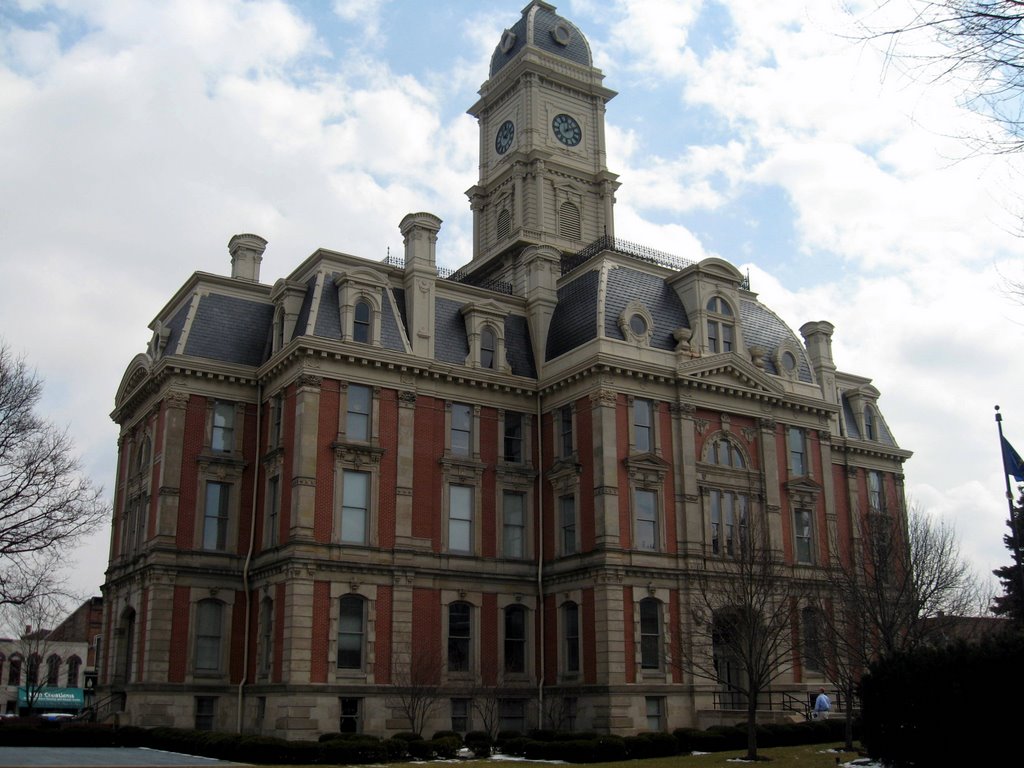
column 542, row 28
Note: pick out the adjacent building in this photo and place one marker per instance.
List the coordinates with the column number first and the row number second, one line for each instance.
column 501, row 482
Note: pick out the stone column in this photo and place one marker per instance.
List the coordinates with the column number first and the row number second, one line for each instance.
column 304, row 453
column 605, row 461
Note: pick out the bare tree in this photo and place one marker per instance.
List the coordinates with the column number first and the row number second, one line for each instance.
column 743, row 617
column 46, row 505
column 416, row 684
column 980, row 46
column 903, row 585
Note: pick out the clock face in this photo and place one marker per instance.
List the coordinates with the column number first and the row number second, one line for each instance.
column 567, row 130
column 504, row 138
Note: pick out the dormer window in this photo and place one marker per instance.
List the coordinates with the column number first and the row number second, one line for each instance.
column 361, row 322
column 487, row 348
column 721, row 325
column 870, row 432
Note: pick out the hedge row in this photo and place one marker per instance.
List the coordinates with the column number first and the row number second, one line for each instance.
column 353, row 749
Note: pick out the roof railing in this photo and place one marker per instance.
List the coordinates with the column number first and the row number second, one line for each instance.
column 458, row 276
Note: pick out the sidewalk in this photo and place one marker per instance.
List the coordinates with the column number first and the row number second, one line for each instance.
column 102, row 757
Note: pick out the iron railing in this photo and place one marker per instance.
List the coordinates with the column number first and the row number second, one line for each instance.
column 459, row 276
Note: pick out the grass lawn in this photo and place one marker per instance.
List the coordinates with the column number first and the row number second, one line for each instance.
column 807, row 756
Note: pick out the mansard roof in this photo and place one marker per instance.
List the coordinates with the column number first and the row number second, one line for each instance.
column 542, row 28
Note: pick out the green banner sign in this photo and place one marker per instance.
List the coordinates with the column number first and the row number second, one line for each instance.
column 53, row 698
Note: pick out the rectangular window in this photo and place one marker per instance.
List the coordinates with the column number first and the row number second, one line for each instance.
column 726, row 337
column 571, row 619
column 462, row 429
column 567, row 522
column 802, row 523
column 797, row 457
column 515, row 639
column 351, row 716
column 215, row 516
column 513, row 437
column 655, row 709
column 266, row 635
column 643, row 422
column 812, row 639
column 565, row 426
column 646, row 520
column 355, row 506
column 513, row 539
column 875, row 500
column 460, row 715
column 357, row 417
column 273, row 510
column 206, row 712
column 459, row 636
column 222, row 436
column 350, row 632
column 512, row 715
column 209, row 615
column 460, row 518
column 728, row 522
column 650, row 634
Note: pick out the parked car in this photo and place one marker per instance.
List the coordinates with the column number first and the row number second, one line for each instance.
column 57, row 716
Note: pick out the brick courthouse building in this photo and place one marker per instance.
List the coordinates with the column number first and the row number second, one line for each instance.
column 502, row 480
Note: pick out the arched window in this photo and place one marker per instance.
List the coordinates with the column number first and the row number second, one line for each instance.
column 74, row 666
column 361, row 322
column 32, row 672
column 14, row 670
column 650, row 634
column 145, row 449
column 351, row 632
column 515, row 639
column 53, row 670
column 209, row 637
column 569, row 221
column 721, row 325
column 487, row 347
column 125, row 645
column 266, row 635
column 459, row 636
column 723, row 452
column 811, row 625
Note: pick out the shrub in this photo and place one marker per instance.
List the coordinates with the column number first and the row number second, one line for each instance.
column 646, row 745
column 479, row 742
column 447, row 735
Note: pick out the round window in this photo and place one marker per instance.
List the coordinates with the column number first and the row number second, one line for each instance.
column 638, row 325
column 788, row 361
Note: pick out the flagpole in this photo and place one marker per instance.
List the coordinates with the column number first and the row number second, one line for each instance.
column 1014, row 526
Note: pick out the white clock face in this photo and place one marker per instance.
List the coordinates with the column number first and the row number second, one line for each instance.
column 567, row 130
column 503, row 140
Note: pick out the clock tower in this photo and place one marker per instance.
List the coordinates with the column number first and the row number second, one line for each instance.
column 543, row 177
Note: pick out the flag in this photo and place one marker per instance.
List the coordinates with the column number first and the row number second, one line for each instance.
column 1012, row 462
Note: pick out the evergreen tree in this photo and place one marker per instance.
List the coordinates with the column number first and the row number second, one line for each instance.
column 1011, row 603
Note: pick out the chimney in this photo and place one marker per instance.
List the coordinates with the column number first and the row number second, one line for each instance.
column 420, row 233
column 818, row 342
column 246, row 254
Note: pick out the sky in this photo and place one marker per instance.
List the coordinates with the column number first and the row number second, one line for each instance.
column 136, row 137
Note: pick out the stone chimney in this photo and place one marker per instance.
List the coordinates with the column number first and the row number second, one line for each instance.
column 420, row 233
column 246, row 254
column 818, row 342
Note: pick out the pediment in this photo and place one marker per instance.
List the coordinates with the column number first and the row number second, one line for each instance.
column 135, row 374
column 730, row 371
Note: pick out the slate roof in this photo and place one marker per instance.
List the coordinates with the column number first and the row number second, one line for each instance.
column 763, row 328
column 574, row 321
column 536, row 27
column 853, row 430
column 229, row 328
column 625, row 285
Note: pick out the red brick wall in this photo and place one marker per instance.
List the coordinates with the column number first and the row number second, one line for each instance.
column 154, row 475
column 277, row 662
column 237, row 643
column 585, row 450
column 320, row 644
column 192, row 444
column 179, row 636
column 252, row 632
column 387, row 488
column 628, row 635
column 488, row 485
column 426, row 618
column 589, row 638
column 140, row 633
column 327, row 433
column 547, row 536
column 489, row 652
column 383, row 636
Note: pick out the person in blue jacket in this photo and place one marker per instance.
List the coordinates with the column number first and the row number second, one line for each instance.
column 822, row 706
